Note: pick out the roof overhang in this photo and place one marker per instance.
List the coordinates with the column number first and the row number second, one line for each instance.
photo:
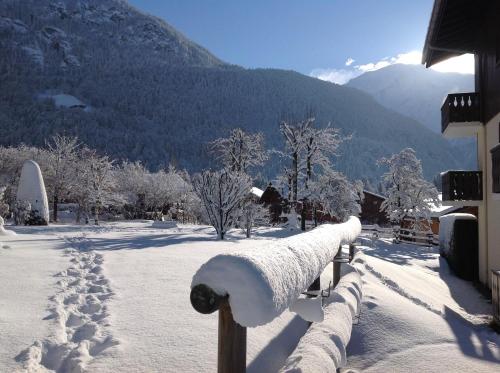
column 453, row 30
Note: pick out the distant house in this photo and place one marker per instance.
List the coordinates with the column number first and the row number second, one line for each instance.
column 370, row 209
column 272, row 199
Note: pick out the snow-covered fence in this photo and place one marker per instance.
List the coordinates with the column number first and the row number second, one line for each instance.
column 415, row 236
column 323, row 347
column 253, row 287
column 378, row 231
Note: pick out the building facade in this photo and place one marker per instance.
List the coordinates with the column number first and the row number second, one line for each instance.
column 473, row 26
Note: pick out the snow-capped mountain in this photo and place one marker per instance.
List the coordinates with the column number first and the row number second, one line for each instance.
column 413, row 90
column 130, row 85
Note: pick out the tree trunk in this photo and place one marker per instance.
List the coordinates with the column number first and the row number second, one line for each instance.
column 303, row 217
column 249, row 228
column 54, row 208
column 295, row 178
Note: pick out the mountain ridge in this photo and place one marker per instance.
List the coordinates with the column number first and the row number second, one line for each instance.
column 148, row 94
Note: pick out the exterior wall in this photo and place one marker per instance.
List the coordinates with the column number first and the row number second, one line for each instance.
column 492, row 200
column 370, row 210
column 488, row 62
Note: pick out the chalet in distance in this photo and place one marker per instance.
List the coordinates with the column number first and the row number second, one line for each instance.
column 473, row 26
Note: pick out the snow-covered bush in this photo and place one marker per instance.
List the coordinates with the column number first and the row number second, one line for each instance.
column 22, row 212
column 4, row 207
column 222, row 194
column 263, row 282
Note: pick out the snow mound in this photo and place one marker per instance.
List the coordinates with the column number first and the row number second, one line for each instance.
column 32, row 189
column 446, row 224
column 323, row 347
column 3, row 231
column 164, row 224
column 263, row 282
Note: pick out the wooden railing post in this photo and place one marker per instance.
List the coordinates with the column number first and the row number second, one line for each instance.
column 352, row 248
column 231, row 357
column 336, row 267
column 232, row 337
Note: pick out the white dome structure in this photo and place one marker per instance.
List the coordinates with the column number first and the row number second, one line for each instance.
column 32, row 189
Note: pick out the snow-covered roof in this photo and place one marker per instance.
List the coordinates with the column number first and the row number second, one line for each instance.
column 374, row 194
column 65, row 100
column 257, row 192
column 439, row 209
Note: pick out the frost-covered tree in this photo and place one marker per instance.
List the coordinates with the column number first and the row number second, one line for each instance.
column 337, row 195
column 4, row 207
column 240, row 150
column 408, row 193
column 61, row 160
column 96, row 181
column 222, row 194
column 252, row 214
column 310, row 150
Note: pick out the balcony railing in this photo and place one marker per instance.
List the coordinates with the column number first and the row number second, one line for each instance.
column 462, row 186
column 460, row 107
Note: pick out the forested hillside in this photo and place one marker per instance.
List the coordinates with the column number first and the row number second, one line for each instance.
column 131, row 86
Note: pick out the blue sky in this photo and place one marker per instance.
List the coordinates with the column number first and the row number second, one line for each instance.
column 314, row 37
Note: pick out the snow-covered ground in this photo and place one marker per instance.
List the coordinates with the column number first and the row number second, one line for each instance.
column 418, row 317
column 115, row 298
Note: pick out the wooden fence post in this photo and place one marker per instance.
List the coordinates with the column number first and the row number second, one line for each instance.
column 232, row 337
column 351, row 251
column 231, row 357
column 336, row 267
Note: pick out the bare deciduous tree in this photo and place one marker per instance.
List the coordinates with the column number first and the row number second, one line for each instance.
column 221, row 194
column 61, row 160
column 240, row 150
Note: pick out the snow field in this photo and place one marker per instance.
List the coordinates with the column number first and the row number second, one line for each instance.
column 323, row 346
column 418, row 317
column 263, row 282
column 80, row 315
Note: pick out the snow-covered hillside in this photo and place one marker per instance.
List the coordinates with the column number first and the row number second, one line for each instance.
column 115, row 298
column 158, row 97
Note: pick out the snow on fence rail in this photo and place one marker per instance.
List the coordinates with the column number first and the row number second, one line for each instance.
column 323, row 347
column 253, row 287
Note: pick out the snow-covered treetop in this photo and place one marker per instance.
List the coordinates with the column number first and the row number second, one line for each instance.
column 409, row 194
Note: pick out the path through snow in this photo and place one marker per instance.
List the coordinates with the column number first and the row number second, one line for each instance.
column 80, row 313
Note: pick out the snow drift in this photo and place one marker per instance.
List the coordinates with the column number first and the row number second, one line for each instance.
column 323, row 347
column 32, row 189
column 264, row 282
column 3, row 231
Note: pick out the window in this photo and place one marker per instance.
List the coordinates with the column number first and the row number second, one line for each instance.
column 495, row 167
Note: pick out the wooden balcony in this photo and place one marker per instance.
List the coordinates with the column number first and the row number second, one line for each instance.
column 461, row 114
column 462, row 185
